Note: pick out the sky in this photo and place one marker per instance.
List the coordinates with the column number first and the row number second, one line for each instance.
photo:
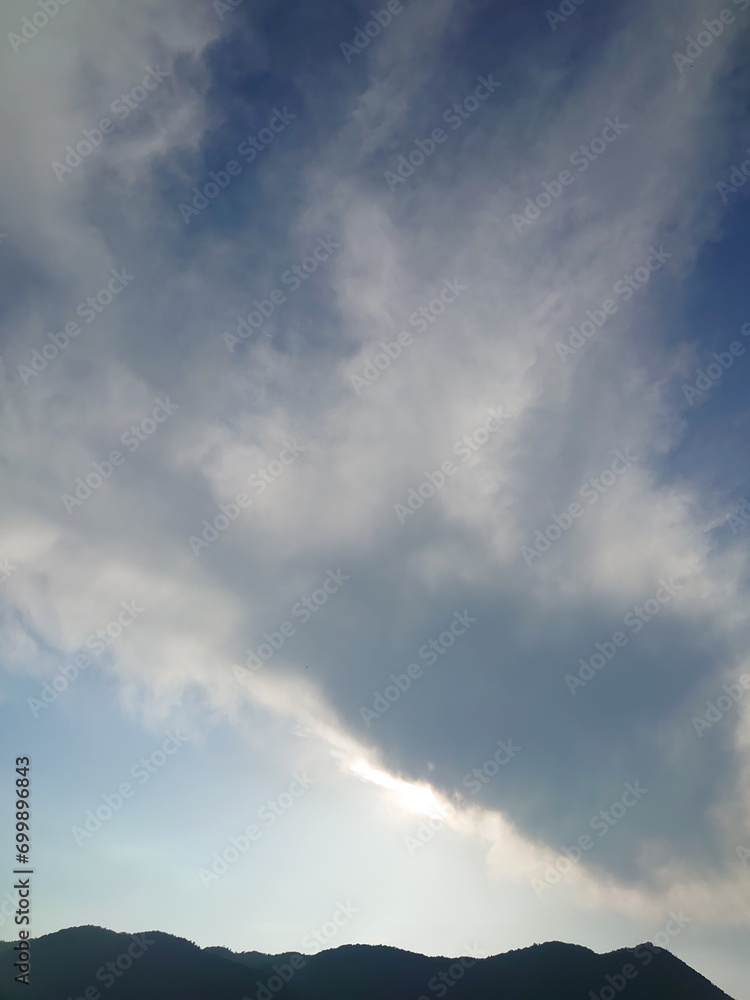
column 375, row 498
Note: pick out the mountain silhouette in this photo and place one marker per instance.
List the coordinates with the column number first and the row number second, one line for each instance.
column 92, row 963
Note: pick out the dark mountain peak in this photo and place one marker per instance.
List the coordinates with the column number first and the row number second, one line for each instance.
column 154, row 965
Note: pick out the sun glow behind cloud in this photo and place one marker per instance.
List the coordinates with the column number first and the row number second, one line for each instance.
column 409, row 796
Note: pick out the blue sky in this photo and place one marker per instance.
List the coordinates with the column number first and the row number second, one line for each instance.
column 298, row 511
